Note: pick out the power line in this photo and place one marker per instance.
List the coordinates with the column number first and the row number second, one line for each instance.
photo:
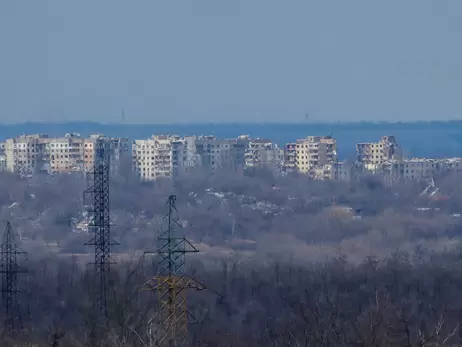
column 97, row 196
column 10, row 270
column 169, row 326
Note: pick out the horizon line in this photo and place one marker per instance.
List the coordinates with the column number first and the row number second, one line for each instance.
column 382, row 122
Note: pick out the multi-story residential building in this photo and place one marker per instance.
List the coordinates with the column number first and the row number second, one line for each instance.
column 178, row 148
column 415, row 168
column 120, row 151
column 314, row 151
column 378, row 152
column 339, row 171
column 184, row 156
column 2, row 157
column 75, row 153
column 343, row 171
column 169, row 156
column 330, row 148
column 215, row 154
column 263, row 153
column 290, row 156
column 70, row 153
column 454, row 164
column 153, row 158
column 2, row 163
column 63, row 154
column 88, row 152
column 191, row 158
column 238, row 152
column 118, row 147
column 25, row 153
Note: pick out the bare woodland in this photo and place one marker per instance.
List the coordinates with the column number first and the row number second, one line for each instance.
column 291, row 267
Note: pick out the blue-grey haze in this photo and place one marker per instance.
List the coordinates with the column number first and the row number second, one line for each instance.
column 234, row 60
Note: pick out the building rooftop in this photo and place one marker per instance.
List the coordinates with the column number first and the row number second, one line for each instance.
column 424, row 160
column 258, row 140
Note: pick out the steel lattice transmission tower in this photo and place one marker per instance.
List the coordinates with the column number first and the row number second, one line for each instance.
column 10, row 270
column 169, row 326
column 96, row 198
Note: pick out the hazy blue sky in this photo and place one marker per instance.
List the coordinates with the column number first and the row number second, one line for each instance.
column 242, row 60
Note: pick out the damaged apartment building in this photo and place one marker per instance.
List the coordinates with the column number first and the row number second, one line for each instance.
column 417, row 168
column 26, row 154
column 2, row 157
column 338, row 171
column 263, row 153
column 221, row 154
column 152, row 158
column 385, row 158
column 372, row 154
column 314, row 151
column 172, row 155
column 315, row 156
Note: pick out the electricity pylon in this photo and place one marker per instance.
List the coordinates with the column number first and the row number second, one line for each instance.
column 169, row 326
column 10, row 270
column 97, row 200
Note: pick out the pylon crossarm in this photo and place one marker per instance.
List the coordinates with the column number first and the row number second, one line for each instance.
column 195, row 284
column 171, row 318
column 193, row 249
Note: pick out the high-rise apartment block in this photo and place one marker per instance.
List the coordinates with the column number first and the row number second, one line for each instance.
column 153, row 158
column 290, row 156
column 378, row 152
column 172, row 156
column 63, row 154
column 263, row 153
column 118, row 147
column 185, row 155
column 215, row 154
column 169, row 156
column 25, row 153
column 314, row 151
column 2, row 157
column 70, row 153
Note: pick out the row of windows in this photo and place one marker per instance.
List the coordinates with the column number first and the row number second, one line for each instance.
column 28, row 151
column 158, row 169
column 308, row 157
column 32, row 151
column 153, row 175
column 53, row 144
column 156, row 147
column 372, row 145
column 308, row 146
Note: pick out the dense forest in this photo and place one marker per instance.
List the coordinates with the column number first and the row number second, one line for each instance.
column 287, row 261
